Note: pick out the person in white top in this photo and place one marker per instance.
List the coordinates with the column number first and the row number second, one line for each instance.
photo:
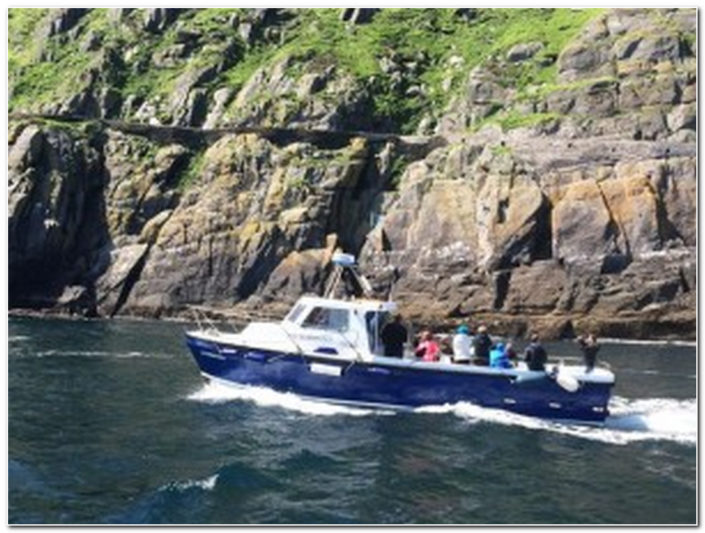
column 462, row 345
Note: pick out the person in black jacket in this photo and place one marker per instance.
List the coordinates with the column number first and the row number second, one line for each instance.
column 589, row 347
column 535, row 355
column 482, row 344
column 393, row 337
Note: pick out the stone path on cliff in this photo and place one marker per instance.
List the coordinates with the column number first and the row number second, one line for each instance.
column 419, row 145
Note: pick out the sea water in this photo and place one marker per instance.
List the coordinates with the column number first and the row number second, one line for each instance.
column 110, row 422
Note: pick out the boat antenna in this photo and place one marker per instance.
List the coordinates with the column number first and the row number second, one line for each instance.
column 342, row 262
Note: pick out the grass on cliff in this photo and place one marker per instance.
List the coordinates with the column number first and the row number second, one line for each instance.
column 424, row 39
column 419, row 41
column 34, row 81
column 22, row 39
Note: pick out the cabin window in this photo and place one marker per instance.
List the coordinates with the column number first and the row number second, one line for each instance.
column 295, row 313
column 327, row 318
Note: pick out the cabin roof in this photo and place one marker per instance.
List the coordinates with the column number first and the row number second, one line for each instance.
column 363, row 303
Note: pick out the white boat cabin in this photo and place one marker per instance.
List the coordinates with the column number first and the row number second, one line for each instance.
column 354, row 324
column 349, row 329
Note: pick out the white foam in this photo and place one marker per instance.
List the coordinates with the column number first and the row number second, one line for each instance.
column 205, row 484
column 648, row 342
column 132, row 355
column 655, row 418
column 99, row 353
column 623, row 371
column 629, row 421
column 215, row 393
column 18, row 338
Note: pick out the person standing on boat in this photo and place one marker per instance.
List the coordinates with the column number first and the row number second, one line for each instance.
column 511, row 353
column 535, row 355
column 589, row 347
column 482, row 344
column 394, row 336
column 462, row 344
column 428, row 349
column 498, row 357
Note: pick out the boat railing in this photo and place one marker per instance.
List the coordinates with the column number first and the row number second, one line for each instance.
column 204, row 323
column 214, row 320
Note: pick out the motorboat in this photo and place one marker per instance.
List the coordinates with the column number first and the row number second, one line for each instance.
column 329, row 348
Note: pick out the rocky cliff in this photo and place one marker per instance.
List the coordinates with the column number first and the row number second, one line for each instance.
column 540, row 173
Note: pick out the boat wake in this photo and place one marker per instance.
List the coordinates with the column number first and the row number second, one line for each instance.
column 656, row 418
column 215, row 393
column 629, row 421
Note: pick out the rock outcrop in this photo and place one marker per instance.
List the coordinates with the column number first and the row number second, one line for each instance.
column 517, row 235
column 560, row 204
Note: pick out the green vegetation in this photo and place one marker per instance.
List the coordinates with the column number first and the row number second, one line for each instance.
column 434, row 49
column 22, row 39
column 397, row 168
column 427, row 39
column 300, row 183
column 33, row 80
column 500, row 150
column 512, row 119
column 193, row 170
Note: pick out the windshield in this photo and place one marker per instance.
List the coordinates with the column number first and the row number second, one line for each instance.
column 327, row 318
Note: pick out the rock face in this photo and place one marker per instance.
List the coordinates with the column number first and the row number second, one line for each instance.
column 515, row 235
column 54, row 187
column 129, row 232
column 560, row 207
column 248, row 216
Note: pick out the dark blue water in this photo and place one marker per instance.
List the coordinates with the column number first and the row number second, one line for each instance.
column 109, row 422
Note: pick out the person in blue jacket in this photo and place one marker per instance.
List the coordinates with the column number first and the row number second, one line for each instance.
column 499, row 357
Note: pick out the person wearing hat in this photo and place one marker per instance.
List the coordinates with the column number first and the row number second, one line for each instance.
column 482, row 344
column 462, row 344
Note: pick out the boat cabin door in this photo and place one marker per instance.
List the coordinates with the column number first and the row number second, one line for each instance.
column 375, row 322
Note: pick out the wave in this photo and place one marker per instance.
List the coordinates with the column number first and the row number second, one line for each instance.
column 173, row 502
column 25, row 479
column 656, row 373
column 18, row 338
column 203, row 484
column 639, row 342
column 215, row 393
column 629, row 421
column 98, row 353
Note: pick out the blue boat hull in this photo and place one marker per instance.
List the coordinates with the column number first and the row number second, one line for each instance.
column 393, row 386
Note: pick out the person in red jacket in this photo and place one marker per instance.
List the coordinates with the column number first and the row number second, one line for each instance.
column 428, row 349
